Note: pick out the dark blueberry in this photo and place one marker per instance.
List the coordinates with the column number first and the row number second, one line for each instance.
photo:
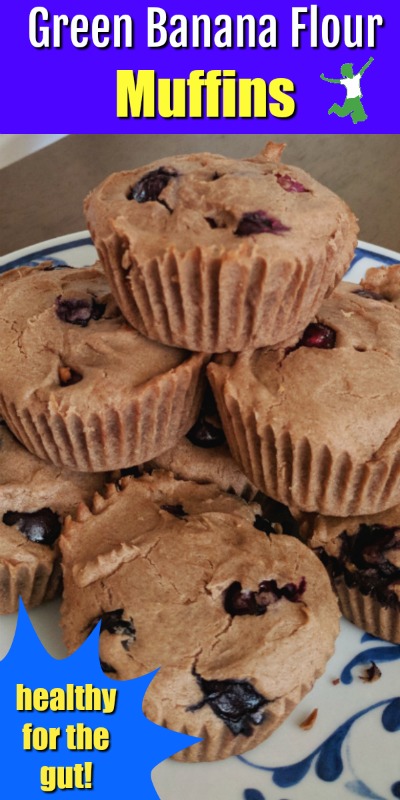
column 318, row 335
column 331, row 563
column 107, row 668
column 259, row 222
column 176, row 511
column 78, row 310
column 395, row 789
column 289, row 184
column 42, row 526
column 212, row 222
column 294, row 592
column 205, row 434
column 238, row 602
column 151, row 185
column 263, row 524
column 369, row 295
column 68, row 376
column 98, row 310
column 134, row 471
column 236, row 703
column 113, row 622
column 215, row 176
column 366, row 551
column 367, row 548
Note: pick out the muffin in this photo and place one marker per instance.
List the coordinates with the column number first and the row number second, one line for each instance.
column 186, row 579
column 362, row 555
column 316, row 426
column 78, row 386
column 34, row 499
column 215, row 254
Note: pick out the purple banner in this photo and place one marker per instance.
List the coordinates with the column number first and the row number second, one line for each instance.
column 225, row 67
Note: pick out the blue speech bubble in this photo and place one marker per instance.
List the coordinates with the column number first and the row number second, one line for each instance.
column 53, row 697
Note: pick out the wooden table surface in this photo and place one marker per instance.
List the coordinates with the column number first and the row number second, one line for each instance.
column 41, row 196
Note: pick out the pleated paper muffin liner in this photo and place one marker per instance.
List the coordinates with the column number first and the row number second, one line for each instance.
column 299, row 473
column 368, row 613
column 214, row 265
column 34, row 581
column 213, row 303
column 121, row 434
column 221, row 744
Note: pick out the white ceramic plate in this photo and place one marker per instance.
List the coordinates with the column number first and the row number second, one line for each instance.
column 353, row 749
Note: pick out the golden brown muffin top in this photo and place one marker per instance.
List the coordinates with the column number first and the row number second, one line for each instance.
column 249, row 207
column 64, row 342
column 339, row 386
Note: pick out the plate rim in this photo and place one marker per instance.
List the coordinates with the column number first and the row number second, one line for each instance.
column 83, row 238
column 68, row 240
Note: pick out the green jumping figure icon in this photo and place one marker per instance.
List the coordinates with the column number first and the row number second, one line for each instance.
column 352, row 105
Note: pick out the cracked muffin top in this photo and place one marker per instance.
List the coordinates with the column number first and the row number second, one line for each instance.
column 178, row 572
column 186, row 578
column 80, row 387
column 27, row 483
column 61, row 327
column 251, row 206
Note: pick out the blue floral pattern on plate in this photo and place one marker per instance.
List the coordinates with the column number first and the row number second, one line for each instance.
column 327, row 757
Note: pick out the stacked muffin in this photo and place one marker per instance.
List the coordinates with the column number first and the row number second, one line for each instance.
column 317, row 427
column 203, row 255
column 361, row 552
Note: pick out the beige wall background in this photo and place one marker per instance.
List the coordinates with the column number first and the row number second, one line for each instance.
column 41, row 195
column 14, row 146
